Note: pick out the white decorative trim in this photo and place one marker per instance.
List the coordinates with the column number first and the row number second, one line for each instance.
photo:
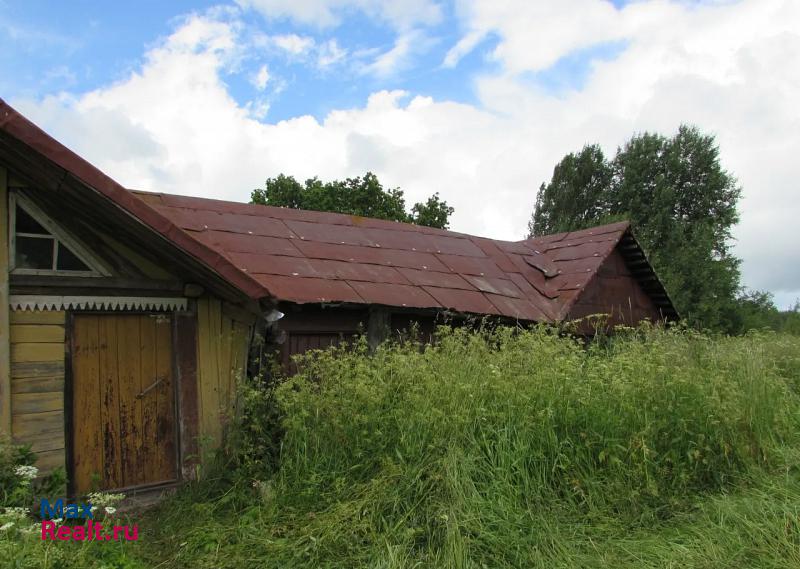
column 38, row 302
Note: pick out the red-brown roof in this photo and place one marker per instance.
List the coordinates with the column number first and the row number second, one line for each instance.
column 20, row 128
column 312, row 257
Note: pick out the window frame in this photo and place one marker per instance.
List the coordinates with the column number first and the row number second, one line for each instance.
column 17, row 199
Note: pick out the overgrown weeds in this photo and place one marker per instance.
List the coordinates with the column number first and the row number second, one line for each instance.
column 512, row 448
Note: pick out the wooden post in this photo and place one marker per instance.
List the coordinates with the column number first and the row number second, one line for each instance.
column 5, row 338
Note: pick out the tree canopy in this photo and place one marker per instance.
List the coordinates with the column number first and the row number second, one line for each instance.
column 364, row 196
column 681, row 203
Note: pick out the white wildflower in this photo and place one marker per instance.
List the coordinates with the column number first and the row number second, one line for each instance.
column 26, row 472
column 110, row 510
column 6, row 526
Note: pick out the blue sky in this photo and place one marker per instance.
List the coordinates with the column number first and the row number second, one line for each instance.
column 474, row 99
column 79, row 46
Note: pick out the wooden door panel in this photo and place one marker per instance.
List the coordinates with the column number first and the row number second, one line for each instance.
column 86, row 408
column 109, row 399
column 124, row 425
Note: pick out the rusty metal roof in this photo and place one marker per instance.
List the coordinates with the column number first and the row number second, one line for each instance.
column 311, row 257
column 318, row 257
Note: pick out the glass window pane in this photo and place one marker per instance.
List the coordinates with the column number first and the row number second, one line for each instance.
column 69, row 261
column 34, row 253
column 24, row 223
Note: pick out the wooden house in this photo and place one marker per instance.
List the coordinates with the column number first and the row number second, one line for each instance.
column 127, row 317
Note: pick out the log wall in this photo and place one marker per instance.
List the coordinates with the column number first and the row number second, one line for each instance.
column 37, row 384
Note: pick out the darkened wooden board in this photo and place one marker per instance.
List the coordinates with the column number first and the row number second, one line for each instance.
column 38, row 317
column 48, row 461
column 208, row 312
column 86, row 414
column 28, row 426
column 129, row 406
column 5, row 356
column 165, row 452
column 137, row 287
column 37, row 333
column 311, row 319
column 44, row 440
column 147, row 459
column 47, row 352
column 188, row 397
column 109, row 397
column 42, row 384
column 25, row 403
column 21, row 370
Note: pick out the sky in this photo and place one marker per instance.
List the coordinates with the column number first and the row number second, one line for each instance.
column 474, row 99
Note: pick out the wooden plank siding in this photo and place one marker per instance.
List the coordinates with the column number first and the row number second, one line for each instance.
column 5, row 359
column 616, row 293
column 37, row 384
column 222, row 344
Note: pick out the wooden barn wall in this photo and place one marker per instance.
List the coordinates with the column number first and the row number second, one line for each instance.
column 615, row 292
column 5, row 375
column 37, row 384
column 312, row 327
column 222, row 344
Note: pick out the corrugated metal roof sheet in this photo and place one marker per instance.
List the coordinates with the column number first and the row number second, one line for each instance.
column 310, row 257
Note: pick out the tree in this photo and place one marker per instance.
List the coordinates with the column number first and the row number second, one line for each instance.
column 576, row 196
column 681, row 203
column 757, row 311
column 364, row 196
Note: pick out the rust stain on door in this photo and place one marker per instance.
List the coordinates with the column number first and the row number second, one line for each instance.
column 123, row 409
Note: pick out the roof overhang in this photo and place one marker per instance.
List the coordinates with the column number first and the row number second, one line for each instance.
column 46, row 163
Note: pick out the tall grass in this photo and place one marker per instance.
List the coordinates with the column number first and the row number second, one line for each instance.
column 513, row 448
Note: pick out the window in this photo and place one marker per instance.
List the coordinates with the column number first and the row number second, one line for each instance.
column 40, row 247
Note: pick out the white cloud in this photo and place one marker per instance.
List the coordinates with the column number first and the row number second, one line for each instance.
column 729, row 68
column 323, row 13
column 329, row 53
column 293, row 44
column 261, row 78
column 396, row 58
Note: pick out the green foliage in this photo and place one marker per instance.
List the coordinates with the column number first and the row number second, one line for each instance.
column 356, row 196
column 577, row 195
column 517, row 449
column 757, row 311
column 19, row 480
column 21, row 544
column 253, row 446
column 682, row 205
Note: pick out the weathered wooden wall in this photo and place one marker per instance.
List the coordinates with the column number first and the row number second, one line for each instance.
column 222, row 344
column 615, row 292
column 5, row 376
column 37, row 384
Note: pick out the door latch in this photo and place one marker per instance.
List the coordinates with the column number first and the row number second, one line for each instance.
column 151, row 388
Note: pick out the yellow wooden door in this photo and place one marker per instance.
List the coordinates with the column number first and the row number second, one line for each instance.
column 123, row 401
